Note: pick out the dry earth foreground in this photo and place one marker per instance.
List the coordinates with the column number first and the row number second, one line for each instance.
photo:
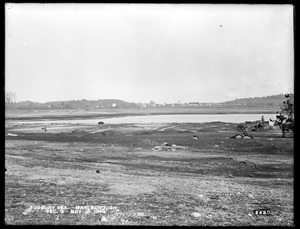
column 147, row 174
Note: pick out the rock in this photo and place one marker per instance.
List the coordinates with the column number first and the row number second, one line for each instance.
column 196, row 214
column 238, row 193
column 251, row 196
column 154, row 217
column 239, row 136
column 216, row 146
column 103, row 219
column 195, row 137
column 201, row 196
column 97, row 171
column 209, row 216
column 224, row 207
column 214, row 197
column 247, row 137
column 140, row 214
column 14, row 135
column 229, row 176
column 100, row 122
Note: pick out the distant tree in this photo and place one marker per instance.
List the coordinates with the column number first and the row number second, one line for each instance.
column 285, row 118
column 151, row 103
column 10, row 99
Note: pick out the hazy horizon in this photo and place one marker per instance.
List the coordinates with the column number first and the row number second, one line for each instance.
column 147, row 102
column 142, row 52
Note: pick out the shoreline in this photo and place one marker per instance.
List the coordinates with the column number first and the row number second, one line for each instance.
column 87, row 115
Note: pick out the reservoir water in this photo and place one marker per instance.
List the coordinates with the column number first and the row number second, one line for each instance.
column 170, row 118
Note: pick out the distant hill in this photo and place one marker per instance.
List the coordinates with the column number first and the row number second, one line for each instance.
column 273, row 101
column 76, row 104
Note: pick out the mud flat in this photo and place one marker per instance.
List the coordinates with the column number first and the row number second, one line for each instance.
column 147, row 174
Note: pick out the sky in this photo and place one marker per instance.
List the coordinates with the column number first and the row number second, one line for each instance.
column 166, row 53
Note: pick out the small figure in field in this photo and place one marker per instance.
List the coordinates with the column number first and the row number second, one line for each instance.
column 262, row 119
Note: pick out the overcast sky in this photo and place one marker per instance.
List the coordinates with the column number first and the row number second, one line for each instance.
column 137, row 53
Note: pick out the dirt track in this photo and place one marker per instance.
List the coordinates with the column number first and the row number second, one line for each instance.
column 146, row 181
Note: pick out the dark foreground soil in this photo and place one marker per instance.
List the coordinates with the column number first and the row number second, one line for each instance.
column 147, row 174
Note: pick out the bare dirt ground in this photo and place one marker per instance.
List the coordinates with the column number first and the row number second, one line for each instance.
column 147, row 174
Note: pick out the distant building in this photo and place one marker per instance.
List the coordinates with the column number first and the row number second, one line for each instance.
column 194, row 104
column 114, row 105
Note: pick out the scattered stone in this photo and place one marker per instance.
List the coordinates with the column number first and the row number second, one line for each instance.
column 195, row 137
column 14, row 135
column 26, row 211
column 103, row 219
column 238, row 193
column 229, row 176
column 222, row 142
column 250, row 215
column 224, row 207
column 140, row 214
column 208, row 216
column 168, row 147
column 201, row 196
column 239, row 136
column 216, row 146
column 196, row 214
column 97, row 171
column 251, row 196
column 167, row 144
column 247, row 137
column 214, row 197
column 154, row 217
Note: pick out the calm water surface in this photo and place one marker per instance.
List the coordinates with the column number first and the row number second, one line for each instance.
column 180, row 118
